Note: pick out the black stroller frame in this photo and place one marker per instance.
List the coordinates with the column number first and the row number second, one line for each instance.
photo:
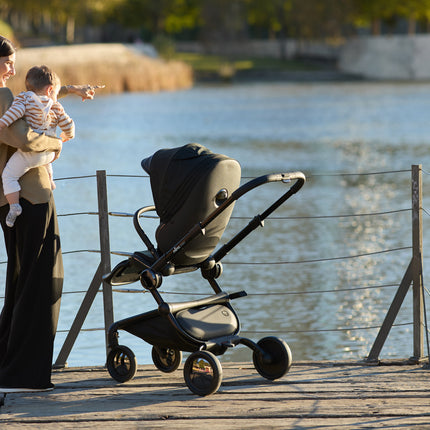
column 205, row 327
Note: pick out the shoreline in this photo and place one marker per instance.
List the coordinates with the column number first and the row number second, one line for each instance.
column 117, row 66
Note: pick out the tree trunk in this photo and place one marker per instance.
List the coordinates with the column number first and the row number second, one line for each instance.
column 70, row 30
column 412, row 25
column 376, row 27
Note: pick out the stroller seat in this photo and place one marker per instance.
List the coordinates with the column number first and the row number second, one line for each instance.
column 194, row 193
column 188, row 183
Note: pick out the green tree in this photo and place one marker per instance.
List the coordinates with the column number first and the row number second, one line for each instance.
column 301, row 19
column 371, row 13
column 156, row 17
column 222, row 21
column 413, row 11
column 214, row 20
column 56, row 18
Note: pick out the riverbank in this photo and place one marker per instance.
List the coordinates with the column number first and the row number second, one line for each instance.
column 240, row 68
column 119, row 67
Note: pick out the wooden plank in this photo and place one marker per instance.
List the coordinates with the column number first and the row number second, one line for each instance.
column 310, row 395
column 236, row 424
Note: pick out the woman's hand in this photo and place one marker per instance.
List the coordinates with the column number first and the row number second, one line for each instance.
column 86, row 92
column 57, row 153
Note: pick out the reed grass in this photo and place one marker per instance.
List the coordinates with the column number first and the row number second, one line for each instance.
column 119, row 67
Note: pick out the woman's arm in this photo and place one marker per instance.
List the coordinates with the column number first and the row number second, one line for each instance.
column 20, row 135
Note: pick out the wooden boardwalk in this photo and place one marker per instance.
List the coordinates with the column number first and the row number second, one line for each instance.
column 315, row 395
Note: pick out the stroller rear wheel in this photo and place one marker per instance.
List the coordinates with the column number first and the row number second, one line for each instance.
column 121, row 363
column 203, row 373
column 166, row 359
column 276, row 359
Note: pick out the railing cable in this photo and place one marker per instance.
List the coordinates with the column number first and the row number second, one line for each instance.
column 321, row 259
column 323, row 330
column 318, row 260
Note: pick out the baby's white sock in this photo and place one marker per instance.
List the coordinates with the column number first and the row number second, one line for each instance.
column 15, row 211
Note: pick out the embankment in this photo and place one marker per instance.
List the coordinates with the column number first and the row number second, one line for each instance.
column 397, row 57
column 120, row 67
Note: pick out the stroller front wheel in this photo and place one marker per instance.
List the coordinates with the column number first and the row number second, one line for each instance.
column 166, row 359
column 121, row 363
column 203, row 373
column 276, row 359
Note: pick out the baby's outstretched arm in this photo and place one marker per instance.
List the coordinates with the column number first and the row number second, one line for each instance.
column 86, row 92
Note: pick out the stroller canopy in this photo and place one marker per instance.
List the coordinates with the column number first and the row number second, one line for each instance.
column 187, row 185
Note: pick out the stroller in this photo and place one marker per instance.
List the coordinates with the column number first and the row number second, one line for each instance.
column 194, row 192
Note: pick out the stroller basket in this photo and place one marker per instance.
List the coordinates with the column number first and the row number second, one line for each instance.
column 194, row 192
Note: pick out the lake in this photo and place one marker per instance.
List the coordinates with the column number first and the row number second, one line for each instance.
column 355, row 142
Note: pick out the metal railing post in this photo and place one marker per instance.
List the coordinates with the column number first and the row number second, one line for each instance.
column 79, row 320
column 417, row 255
column 103, row 268
column 105, row 249
column 414, row 276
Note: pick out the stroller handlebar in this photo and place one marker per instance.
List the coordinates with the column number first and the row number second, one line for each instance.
column 287, row 177
column 299, row 177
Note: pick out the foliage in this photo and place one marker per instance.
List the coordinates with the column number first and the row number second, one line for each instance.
column 219, row 20
column 161, row 16
column 6, row 30
column 300, row 19
column 165, row 46
column 204, row 63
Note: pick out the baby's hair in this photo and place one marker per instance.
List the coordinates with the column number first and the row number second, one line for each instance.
column 38, row 77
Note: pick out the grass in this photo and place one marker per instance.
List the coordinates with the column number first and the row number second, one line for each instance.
column 204, row 64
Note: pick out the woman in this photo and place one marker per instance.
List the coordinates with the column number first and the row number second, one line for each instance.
column 34, row 277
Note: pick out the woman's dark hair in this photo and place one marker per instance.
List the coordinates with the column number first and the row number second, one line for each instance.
column 6, row 47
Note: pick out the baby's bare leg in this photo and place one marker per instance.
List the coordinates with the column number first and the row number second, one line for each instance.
column 48, row 168
column 12, row 198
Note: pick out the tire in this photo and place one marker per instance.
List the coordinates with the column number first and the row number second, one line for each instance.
column 121, row 363
column 276, row 360
column 203, row 373
column 166, row 359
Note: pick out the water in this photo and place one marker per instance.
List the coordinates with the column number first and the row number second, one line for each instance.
column 325, row 130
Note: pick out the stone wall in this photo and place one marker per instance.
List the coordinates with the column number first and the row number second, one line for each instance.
column 387, row 57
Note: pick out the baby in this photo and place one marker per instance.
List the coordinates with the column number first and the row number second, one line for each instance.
column 40, row 108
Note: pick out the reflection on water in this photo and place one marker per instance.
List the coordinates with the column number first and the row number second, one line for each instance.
column 324, row 130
